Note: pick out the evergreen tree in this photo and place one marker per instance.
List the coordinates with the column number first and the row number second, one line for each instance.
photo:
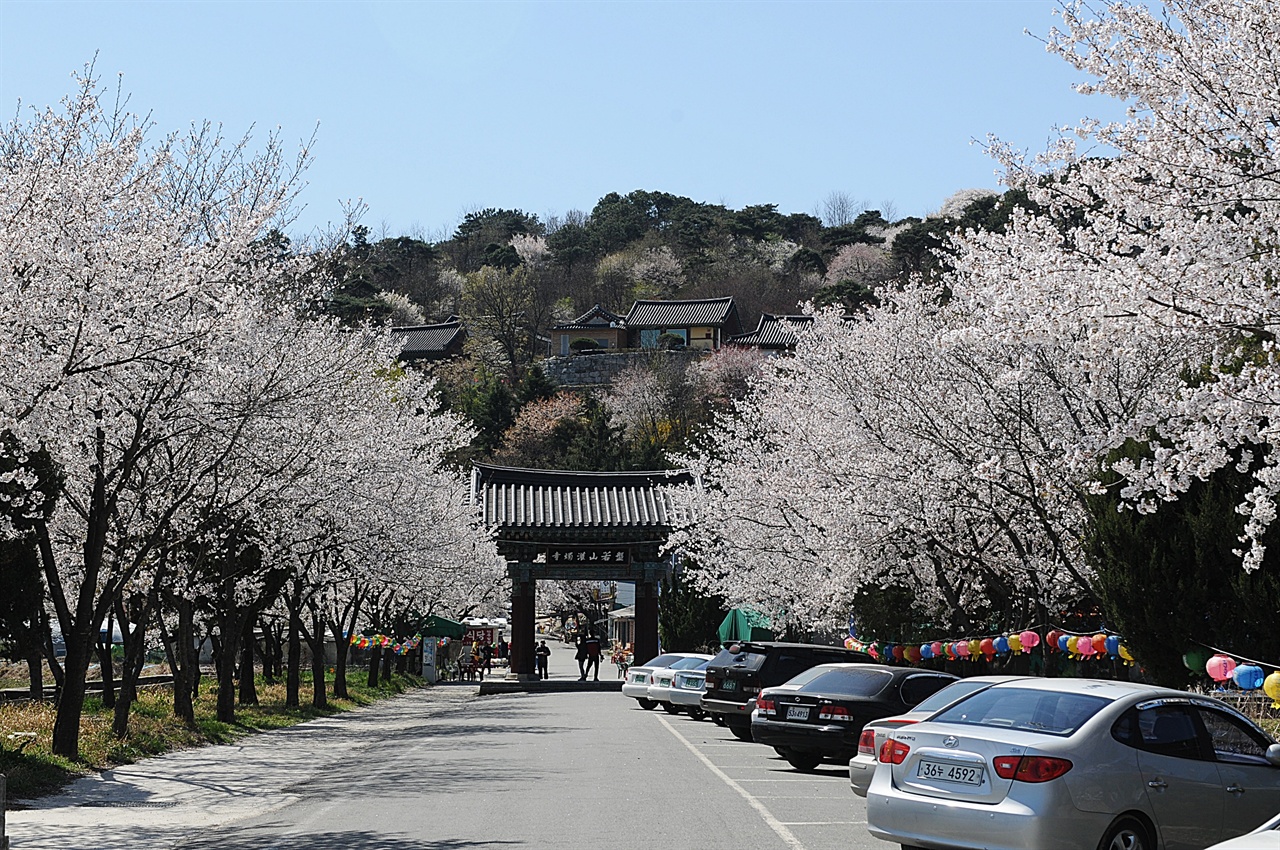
column 687, row 620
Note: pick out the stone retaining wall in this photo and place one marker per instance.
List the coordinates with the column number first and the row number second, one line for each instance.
column 588, row 370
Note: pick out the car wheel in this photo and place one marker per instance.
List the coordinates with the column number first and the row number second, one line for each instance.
column 804, row 762
column 780, row 751
column 647, row 704
column 695, row 713
column 718, row 719
column 1126, row 834
column 670, row 709
column 742, row 733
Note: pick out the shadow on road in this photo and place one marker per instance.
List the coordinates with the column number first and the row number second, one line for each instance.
column 267, row 838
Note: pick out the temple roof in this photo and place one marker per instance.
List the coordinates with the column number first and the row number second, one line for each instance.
column 514, row 498
column 594, row 319
column 773, row 332
column 429, row 341
column 712, row 312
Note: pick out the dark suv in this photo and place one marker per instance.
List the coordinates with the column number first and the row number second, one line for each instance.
column 737, row 674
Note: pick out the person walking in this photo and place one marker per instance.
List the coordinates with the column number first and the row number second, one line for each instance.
column 541, row 654
column 581, row 657
column 593, row 658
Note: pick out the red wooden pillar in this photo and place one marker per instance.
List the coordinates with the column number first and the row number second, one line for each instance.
column 523, row 593
column 646, row 621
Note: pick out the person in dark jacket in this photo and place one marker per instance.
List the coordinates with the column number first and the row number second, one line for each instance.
column 581, row 657
column 593, row 658
column 540, row 656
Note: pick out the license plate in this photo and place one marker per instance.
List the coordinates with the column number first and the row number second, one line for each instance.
column 664, row 683
column 949, row 772
column 797, row 712
column 729, row 685
column 640, row 677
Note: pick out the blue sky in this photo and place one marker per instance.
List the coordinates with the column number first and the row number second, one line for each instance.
column 427, row 110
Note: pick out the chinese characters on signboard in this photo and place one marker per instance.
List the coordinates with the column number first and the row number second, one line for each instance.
column 587, row 555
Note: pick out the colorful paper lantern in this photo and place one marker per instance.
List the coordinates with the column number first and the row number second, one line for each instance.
column 914, row 653
column 926, row 650
column 1062, row 642
column 1195, row 659
column 899, row 653
column 1015, row 643
column 1070, row 643
column 1055, row 639
column 1271, row 687
column 1248, row 677
column 1112, row 645
column 1029, row 640
column 962, row 648
column 936, row 646
column 1084, row 645
column 1220, row 667
column 988, row 647
column 848, row 643
column 1126, row 654
column 975, row 648
column 1000, row 644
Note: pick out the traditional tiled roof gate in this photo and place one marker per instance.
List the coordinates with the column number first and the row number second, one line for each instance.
column 551, row 524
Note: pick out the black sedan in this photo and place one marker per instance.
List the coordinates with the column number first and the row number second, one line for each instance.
column 820, row 714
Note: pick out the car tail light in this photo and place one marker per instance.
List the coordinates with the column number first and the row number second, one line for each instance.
column 1030, row 768
column 893, row 752
column 867, row 742
column 834, row 712
column 766, row 706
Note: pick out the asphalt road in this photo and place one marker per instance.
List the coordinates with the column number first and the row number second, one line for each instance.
column 445, row 769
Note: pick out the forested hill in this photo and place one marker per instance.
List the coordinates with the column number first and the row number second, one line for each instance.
column 644, row 245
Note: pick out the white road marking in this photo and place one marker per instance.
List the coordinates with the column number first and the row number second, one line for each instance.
column 823, row 822
column 776, row 825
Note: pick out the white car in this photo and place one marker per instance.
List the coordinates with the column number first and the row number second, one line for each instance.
column 1265, row 837
column 664, row 680
column 863, row 765
column 686, row 691
column 636, row 684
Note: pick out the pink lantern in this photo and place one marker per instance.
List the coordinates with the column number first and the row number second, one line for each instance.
column 1029, row 639
column 1084, row 645
column 936, row 646
column 1220, row 668
column 962, row 648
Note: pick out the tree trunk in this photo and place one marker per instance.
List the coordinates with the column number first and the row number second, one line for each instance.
column 106, row 670
column 316, row 641
column 35, row 671
column 178, row 650
column 342, row 650
column 66, row 725
column 375, row 659
column 248, row 686
column 386, row 666
column 135, row 655
column 293, row 676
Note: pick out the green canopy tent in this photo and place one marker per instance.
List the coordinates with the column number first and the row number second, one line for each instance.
column 435, row 626
column 741, row 624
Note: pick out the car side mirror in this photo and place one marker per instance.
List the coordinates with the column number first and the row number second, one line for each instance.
column 1273, row 755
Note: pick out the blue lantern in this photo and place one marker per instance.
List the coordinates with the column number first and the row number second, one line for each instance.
column 1113, row 646
column 1248, row 677
column 1001, row 644
column 1062, row 642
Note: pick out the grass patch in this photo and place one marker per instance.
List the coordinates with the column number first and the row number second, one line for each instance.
column 36, row 772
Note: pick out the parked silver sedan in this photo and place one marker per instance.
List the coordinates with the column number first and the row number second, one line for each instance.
column 1075, row 764
column 874, row 733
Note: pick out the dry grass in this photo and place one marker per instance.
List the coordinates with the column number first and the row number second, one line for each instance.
column 153, row 729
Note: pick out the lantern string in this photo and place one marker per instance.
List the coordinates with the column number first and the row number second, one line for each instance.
column 1238, row 657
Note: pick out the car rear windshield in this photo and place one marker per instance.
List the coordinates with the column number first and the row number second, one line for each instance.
column 745, row 660
column 1050, row 712
column 661, row 661
column 854, row 683
column 687, row 663
column 953, row 692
